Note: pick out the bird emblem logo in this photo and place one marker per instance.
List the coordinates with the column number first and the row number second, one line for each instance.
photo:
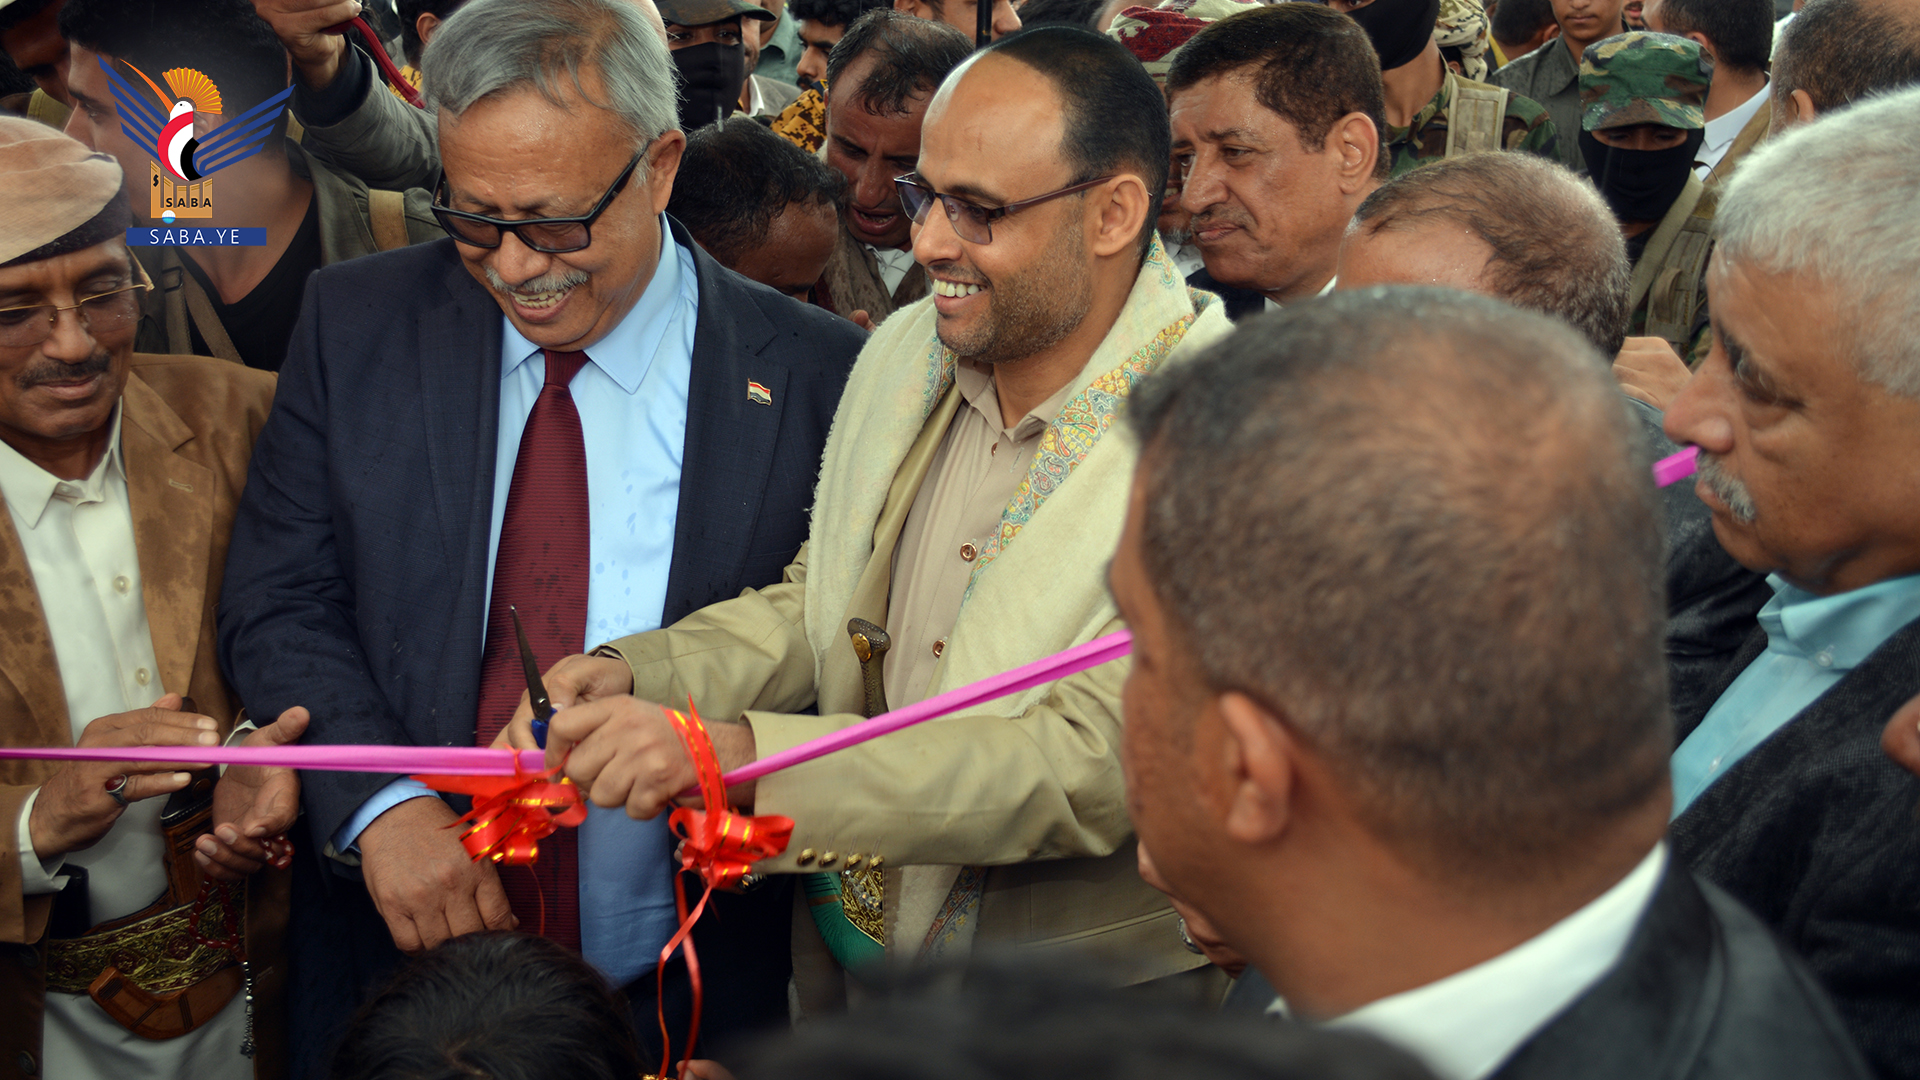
column 163, row 119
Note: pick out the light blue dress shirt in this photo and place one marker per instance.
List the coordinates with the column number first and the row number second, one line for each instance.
column 1812, row 642
column 632, row 400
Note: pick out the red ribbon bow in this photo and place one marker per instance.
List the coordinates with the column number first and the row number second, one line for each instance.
column 717, row 844
column 511, row 813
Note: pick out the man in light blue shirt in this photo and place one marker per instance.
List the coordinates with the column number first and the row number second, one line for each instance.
column 1807, row 416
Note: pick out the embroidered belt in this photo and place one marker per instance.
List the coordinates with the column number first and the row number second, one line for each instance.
column 160, row 953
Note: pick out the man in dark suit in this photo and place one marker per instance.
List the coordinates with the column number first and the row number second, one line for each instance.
column 1396, row 725
column 566, row 409
column 1809, row 436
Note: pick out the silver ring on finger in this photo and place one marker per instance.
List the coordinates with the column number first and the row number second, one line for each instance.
column 117, row 789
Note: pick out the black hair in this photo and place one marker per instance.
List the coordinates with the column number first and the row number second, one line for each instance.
column 505, row 1006
column 20, row 11
column 1519, row 20
column 1004, row 1019
column 1075, row 12
column 1314, row 66
column 1839, row 51
column 833, row 12
column 410, row 12
column 915, row 54
column 736, row 178
column 1319, row 490
column 1741, row 30
column 1116, row 118
column 225, row 40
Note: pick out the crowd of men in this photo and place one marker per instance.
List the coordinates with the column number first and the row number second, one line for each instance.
column 675, row 342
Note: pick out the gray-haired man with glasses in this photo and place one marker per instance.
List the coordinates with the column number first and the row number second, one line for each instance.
column 565, row 409
column 969, row 499
column 121, row 474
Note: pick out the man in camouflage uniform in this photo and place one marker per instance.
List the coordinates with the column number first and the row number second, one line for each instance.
column 1462, row 114
column 1642, row 122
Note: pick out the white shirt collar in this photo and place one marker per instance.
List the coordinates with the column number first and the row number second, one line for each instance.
column 626, row 352
column 1275, row 305
column 28, row 488
column 756, row 101
column 1723, row 129
column 1465, row 1025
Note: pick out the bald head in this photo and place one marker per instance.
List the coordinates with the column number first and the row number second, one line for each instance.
column 1512, row 226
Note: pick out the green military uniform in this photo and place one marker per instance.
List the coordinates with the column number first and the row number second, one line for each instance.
column 1467, row 116
column 1641, row 78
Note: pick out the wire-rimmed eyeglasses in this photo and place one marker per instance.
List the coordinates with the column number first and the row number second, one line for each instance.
column 102, row 314
column 971, row 222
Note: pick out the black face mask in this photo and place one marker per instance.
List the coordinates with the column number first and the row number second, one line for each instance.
column 1639, row 185
column 710, row 76
column 1399, row 29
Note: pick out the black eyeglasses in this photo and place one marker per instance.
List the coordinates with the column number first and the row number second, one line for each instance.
column 549, row 235
column 972, row 223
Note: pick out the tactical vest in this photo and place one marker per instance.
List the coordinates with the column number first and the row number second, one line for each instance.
column 1667, row 281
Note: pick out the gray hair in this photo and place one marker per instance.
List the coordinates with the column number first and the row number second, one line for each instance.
column 1556, row 247
column 1418, row 525
column 492, row 46
column 1839, row 201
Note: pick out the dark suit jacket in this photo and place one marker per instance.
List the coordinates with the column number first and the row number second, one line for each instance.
column 1241, row 303
column 1702, row 992
column 1816, row 830
column 358, row 576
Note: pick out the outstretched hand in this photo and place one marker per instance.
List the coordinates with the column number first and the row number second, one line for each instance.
column 253, row 807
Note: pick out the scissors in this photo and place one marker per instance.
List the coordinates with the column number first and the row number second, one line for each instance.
column 543, row 709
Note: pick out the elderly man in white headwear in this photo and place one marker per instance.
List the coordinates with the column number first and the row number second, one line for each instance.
column 144, row 944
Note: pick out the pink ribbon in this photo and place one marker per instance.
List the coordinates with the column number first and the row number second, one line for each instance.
column 482, row 761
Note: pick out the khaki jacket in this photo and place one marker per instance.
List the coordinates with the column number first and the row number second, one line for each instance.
column 186, row 435
column 1029, row 786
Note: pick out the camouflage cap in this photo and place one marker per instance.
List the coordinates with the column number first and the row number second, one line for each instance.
column 1643, row 78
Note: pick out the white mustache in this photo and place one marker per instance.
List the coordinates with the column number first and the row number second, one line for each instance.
column 1727, row 488
column 546, row 283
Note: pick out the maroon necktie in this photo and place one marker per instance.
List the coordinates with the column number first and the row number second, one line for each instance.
column 541, row 569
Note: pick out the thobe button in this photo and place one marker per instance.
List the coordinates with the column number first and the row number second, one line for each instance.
column 939, row 647
column 874, row 863
column 806, row 857
column 121, row 584
column 143, row 676
column 968, row 551
column 28, row 1066
column 828, row 859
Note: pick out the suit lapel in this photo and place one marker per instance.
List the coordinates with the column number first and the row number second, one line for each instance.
column 27, row 659
column 173, row 505
column 460, row 416
column 1648, row 1017
column 732, row 432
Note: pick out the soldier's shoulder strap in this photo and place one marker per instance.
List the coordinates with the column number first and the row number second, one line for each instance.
column 1676, row 285
column 387, row 217
column 1476, row 117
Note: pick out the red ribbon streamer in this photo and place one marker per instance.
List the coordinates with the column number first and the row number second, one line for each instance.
column 720, row 846
column 512, row 813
